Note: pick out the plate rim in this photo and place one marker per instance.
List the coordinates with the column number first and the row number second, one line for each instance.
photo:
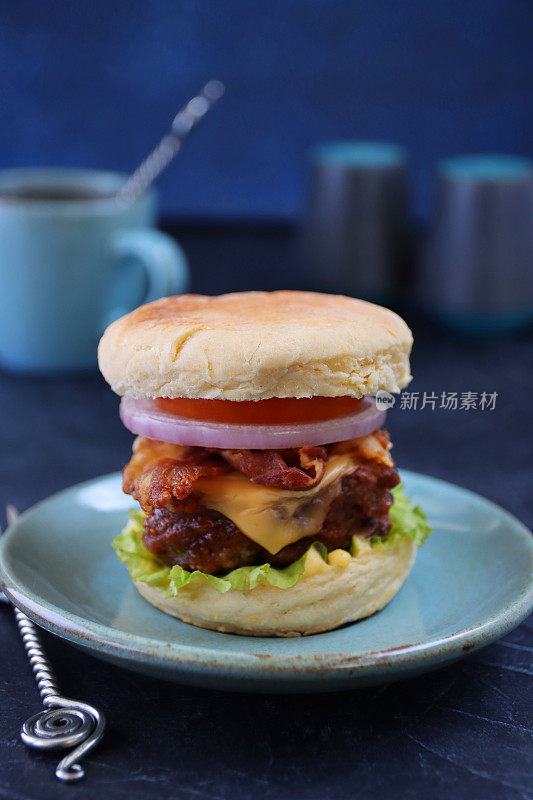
column 95, row 636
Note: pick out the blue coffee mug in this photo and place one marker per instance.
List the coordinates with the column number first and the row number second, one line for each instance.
column 72, row 260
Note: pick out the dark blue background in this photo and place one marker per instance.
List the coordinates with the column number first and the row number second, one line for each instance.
column 96, row 83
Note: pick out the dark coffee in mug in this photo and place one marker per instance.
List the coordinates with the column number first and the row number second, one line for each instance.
column 42, row 194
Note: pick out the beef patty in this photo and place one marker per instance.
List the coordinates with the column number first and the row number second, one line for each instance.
column 197, row 538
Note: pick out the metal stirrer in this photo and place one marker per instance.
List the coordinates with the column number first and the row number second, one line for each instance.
column 170, row 145
column 64, row 723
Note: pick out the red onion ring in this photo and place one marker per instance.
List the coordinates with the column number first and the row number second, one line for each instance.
column 145, row 418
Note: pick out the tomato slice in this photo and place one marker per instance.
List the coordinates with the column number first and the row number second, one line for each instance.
column 275, row 411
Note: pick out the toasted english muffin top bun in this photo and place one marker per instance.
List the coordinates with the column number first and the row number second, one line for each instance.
column 256, row 345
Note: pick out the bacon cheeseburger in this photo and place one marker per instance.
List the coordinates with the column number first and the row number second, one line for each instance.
column 261, row 467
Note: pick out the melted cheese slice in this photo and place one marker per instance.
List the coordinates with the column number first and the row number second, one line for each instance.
column 274, row 518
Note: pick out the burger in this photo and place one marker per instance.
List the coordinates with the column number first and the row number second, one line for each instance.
column 269, row 501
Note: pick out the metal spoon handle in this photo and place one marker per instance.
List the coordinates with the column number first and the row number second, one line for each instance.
column 44, row 675
column 64, row 723
column 170, row 145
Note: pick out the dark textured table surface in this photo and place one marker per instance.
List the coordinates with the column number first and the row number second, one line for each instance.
column 461, row 732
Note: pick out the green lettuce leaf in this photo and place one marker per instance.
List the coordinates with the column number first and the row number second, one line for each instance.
column 142, row 565
column 407, row 520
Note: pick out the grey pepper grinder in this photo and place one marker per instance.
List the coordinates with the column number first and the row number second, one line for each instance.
column 355, row 236
column 477, row 273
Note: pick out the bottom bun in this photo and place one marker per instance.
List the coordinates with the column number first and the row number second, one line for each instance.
column 323, row 598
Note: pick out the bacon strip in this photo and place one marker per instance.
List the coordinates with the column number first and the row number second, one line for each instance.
column 286, row 469
column 374, row 447
column 159, row 472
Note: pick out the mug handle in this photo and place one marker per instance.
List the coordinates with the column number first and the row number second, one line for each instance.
column 159, row 257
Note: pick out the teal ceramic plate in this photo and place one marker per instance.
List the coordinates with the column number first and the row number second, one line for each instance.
column 472, row 583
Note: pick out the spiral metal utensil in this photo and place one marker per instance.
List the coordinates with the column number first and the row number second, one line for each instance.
column 170, row 145
column 64, row 723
